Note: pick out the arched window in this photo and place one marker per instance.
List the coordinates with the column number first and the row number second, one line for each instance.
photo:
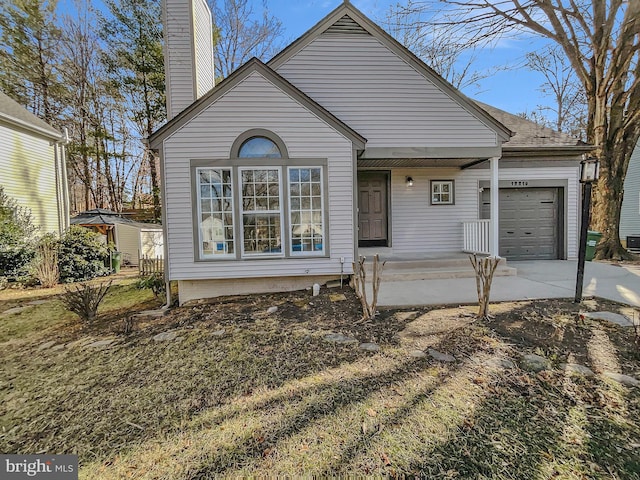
column 259, row 147
column 258, row 143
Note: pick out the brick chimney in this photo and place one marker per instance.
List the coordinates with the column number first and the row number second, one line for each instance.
column 188, row 52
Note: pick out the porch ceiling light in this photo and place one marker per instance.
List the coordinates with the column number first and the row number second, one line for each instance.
column 409, row 181
column 589, row 169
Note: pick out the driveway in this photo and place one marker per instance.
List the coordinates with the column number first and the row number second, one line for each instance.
column 535, row 279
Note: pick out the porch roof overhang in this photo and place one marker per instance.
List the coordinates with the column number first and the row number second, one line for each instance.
column 459, row 157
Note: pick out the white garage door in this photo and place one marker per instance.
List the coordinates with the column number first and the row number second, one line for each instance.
column 529, row 222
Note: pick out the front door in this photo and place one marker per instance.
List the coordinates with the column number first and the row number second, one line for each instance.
column 372, row 209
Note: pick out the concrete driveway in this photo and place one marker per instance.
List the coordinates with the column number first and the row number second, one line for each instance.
column 535, row 279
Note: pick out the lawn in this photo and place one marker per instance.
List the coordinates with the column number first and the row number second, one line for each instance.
column 245, row 392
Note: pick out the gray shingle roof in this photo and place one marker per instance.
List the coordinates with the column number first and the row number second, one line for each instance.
column 528, row 133
column 15, row 114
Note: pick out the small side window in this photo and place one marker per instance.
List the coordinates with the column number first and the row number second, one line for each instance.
column 442, row 192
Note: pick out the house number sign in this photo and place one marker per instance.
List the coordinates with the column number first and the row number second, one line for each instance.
column 519, row 183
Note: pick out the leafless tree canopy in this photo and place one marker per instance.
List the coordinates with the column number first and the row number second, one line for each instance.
column 242, row 34
column 601, row 41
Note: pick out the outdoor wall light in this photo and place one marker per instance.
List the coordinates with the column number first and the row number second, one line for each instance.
column 589, row 169
column 409, row 181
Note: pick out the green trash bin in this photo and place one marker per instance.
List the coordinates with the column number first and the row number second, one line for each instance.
column 116, row 260
column 592, row 240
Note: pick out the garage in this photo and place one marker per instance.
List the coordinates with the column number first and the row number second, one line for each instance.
column 530, row 222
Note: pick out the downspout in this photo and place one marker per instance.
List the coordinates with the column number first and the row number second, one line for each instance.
column 58, row 181
column 64, row 179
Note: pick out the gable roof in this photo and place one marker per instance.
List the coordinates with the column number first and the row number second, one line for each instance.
column 347, row 18
column 15, row 114
column 254, row 65
column 531, row 135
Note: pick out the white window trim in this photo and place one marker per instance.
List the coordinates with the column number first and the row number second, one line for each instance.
column 451, row 192
column 214, row 256
column 241, row 213
column 313, row 253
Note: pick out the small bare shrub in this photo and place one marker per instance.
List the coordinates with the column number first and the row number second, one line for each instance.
column 484, row 267
column 45, row 263
column 360, row 282
column 127, row 325
column 83, row 299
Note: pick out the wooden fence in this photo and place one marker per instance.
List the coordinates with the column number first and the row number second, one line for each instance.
column 151, row 265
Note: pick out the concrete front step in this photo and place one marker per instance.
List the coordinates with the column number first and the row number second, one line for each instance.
column 450, row 266
column 408, row 274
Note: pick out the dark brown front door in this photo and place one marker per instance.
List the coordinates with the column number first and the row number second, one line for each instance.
column 372, row 209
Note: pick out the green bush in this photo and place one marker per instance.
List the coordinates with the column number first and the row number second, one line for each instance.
column 155, row 282
column 82, row 255
column 16, row 239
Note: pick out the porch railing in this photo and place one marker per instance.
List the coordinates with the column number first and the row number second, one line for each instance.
column 476, row 236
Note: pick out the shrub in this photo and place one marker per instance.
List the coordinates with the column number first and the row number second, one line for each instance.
column 16, row 234
column 45, row 263
column 155, row 282
column 84, row 299
column 82, row 255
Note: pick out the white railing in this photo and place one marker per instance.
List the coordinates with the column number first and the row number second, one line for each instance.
column 476, row 236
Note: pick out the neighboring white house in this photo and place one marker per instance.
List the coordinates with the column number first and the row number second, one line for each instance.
column 275, row 177
column 32, row 166
column 630, row 212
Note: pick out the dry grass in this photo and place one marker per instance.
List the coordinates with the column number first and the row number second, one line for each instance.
column 270, row 397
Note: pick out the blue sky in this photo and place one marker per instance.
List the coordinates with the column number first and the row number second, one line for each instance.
column 514, row 90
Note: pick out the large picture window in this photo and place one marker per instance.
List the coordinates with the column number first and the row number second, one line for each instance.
column 259, row 202
column 261, row 211
column 306, row 210
column 215, row 212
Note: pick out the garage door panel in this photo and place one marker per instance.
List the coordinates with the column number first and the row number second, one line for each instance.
column 528, row 222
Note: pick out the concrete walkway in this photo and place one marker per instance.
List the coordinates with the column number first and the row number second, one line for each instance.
column 535, row 279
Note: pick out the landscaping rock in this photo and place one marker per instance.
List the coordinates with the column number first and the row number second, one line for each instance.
column 610, row 317
column 58, row 347
column 151, row 313
column 337, row 297
column 101, row 343
column 37, row 302
column 334, row 284
column 339, row 338
column 272, row 310
column 417, row 354
column 14, row 310
column 500, row 363
column 219, row 333
column 165, row 336
column 370, row 347
column 404, row 316
column 441, row 357
column 623, row 379
column 46, row 345
column 577, row 368
column 534, row 363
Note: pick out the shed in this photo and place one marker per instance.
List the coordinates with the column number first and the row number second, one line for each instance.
column 131, row 238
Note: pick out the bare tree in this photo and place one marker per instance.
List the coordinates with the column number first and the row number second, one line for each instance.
column 601, row 40
column 562, row 85
column 242, row 34
column 443, row 47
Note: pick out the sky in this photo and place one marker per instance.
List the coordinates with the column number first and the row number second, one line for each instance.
column 514, row 90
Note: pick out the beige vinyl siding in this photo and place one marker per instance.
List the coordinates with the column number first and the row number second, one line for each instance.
column 203, row 47
column 630, row 214
column 128, row 242
column 28, row 174
column 178, row 56
column 256, row 103
column 418, row 226
column 382, row 97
